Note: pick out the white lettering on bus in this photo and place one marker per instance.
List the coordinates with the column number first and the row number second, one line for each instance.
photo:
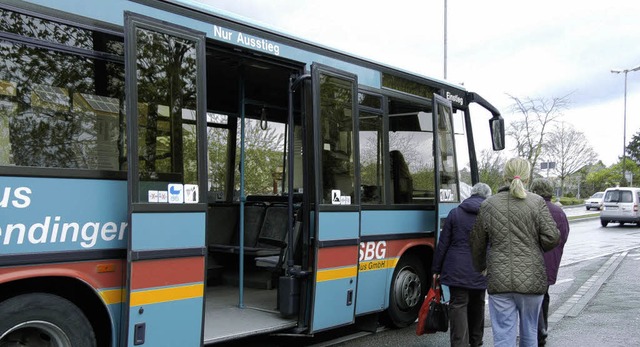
column 20, row 197
column 372, row 250
column 53, row 229
column 260, row 44
column 87, row 234
column 246, row 40
column 221, row 33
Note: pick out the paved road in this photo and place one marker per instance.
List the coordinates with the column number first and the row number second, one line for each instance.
column 611, row 317
column 595, row 302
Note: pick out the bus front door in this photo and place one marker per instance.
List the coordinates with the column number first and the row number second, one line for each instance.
column 163, row 303
column 337, row 211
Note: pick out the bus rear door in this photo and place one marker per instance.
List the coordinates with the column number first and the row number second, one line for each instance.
column 167, row 178
column 337, row 213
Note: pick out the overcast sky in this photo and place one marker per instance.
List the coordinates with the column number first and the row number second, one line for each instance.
column 537, row 49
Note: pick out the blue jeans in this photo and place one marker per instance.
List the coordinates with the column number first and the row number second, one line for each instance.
column 505, row 309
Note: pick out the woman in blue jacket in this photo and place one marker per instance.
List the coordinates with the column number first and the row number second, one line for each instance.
column 454, row 266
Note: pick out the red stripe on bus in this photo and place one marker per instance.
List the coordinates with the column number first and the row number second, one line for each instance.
column 165, row 272
column 397, row 247
column 90, row 272
column 337, row 256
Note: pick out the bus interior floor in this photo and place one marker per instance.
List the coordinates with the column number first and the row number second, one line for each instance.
column 225, row 320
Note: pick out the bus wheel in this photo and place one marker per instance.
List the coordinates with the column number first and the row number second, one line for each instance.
column 407, row 292
column 40, row 319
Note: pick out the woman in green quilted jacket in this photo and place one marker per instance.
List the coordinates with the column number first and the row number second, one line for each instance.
column 513, row 230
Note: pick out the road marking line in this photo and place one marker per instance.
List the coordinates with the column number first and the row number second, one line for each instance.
column 564, row 280
column 578, row 301
column 598, row 256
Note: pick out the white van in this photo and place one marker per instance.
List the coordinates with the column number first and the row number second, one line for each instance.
column 620, row 205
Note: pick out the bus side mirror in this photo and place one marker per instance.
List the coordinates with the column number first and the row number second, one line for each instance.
column 496, row 125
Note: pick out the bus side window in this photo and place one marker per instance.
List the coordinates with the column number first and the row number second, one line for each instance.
column 410, row 137
column 372, row 174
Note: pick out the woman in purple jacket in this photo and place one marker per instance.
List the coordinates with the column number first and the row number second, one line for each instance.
column 453, row 264
column 552, row 258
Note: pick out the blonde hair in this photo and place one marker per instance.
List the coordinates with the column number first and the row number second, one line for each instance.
column 516, row 171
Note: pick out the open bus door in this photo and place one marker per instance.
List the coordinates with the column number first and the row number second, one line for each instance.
column 166, row 180
column 336, row 214
column 446, row 170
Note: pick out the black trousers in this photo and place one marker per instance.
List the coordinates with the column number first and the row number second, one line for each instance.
column 543, row 323
column 466, row 316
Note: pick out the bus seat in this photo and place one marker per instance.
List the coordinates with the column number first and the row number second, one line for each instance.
column 224, row 236
column 277, row 262
column 222, row 223
column 253, row 219
column 273, row 232
column 274, row 226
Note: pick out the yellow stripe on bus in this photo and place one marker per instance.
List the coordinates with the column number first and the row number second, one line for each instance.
column 336, row 274
column 111, row 296
column 155, row 296
column 380, row 264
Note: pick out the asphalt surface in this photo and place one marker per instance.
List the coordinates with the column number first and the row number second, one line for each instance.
column 602, row 311
column 599, row 306
column 606, row 309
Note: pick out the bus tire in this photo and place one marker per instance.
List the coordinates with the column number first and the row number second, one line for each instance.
column 40, row 319
column 408, row 289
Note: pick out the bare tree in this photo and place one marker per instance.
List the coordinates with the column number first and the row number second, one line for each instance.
column 570, row 149
column 529, row 132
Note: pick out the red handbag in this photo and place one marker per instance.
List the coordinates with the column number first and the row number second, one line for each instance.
column 434, row 294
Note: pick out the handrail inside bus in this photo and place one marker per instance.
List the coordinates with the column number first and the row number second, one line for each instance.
column 293, row 85
column 298, row 80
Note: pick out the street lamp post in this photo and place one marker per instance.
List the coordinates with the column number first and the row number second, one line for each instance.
column 445, row 39
column 624, row 126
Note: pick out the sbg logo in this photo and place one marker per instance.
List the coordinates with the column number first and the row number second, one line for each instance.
column 373, row 250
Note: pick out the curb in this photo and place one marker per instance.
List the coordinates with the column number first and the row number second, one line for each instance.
column 583, row 217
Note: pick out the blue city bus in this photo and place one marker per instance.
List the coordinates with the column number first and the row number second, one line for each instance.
column 174, row 176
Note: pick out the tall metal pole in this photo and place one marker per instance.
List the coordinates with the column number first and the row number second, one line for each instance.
column 624, row 130
column 445, row 39
column 624, row 121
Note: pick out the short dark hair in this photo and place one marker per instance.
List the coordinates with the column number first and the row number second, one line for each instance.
column 542, row 187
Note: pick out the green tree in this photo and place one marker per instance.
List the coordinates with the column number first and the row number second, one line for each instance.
column 264, row 149
column 633, row 148
column 217, row 139
column 490, row 166
column 588, row 187
column 612, row 176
